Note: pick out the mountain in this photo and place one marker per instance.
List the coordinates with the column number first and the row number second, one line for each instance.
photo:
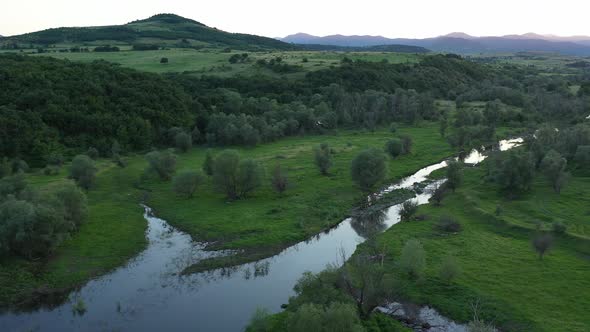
column 459, row 42
column 161, row 29
column 378, row 48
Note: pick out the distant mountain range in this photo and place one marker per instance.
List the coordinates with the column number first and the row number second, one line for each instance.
column 459, row 42
column 163, row 30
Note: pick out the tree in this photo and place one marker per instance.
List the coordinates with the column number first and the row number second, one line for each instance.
column 368, row 168
column 73, row 202
column 413, row 258
column 208, row 163
column 323, row 158
column 454, row 175
column 115, row 149
column 394, row 147
column 408, row 209
column 513, row 171
column 582, row 155
column 438, row 193
column 449, row 269
column 542, row 242
column 187, row 182
column 279, row 179
column 366, row 283
column 225, row 173
column 163, row 163
column 259, row 322
column 249, row 176
column 553, row 165
column 83, row 171
column 234, row 177
column 183, row 141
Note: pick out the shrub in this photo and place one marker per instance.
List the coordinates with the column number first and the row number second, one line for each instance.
column 323, row 158
column 92, row 153
column 438, row 193
column 208, row 163
column 164, row 60
column 368, row 168
column 448, row 224
column 542, row 242
column 409, row 209
column 83, row 171
column 407, row 143
column 183, row 141
column 187, row 182
column 559, row 228
column 279, row 179
column 259, row 322
column 413, row 258
column 449, row 269
column 163, row 163
column 392, row 128
column 394, row 147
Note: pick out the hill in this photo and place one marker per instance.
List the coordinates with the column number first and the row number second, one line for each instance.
column 163, row 30
column 459, row 42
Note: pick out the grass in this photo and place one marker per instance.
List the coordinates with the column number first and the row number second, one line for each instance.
column 263, row 222
column 515, row 289
column 312, row 203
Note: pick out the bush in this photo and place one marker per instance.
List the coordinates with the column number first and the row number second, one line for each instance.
column 449, row 269
column 413, row 259
column 92, row 153
column 542, row 242
column 392, row 128
column 407, row 144
column 559, row 228
column 259, row 322
column 394, row 147
column 368, row 168
column 408, row 210
column 279, row 179
column 164, row 60
column 187, row 182
column 448, row 224
column 83, row 171
column 183, row 141
column 163, row 163
column 208, row 163
column 323, row 158
column 438, row 193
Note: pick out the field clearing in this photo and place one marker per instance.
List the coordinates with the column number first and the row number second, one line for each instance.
column 215, row 62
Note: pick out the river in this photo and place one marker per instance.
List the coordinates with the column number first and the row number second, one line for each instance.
column 149, row 294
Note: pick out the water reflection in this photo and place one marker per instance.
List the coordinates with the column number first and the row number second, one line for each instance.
column 369, row 223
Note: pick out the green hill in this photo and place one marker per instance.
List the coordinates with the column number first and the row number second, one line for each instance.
column 163, row 30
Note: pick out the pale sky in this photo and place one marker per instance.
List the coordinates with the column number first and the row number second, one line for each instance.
column 393, row 18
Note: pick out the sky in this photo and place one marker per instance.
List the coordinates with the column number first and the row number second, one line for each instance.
column 393, row 18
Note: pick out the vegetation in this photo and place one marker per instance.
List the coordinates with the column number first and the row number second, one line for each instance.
column 368, row 169
column 323, row 158
column 187, row 182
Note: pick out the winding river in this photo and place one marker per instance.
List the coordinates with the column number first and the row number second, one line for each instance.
column 149, row 294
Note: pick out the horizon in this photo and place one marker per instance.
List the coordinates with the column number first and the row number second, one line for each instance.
column 309, row 17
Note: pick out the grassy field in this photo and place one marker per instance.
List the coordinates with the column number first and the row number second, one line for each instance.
column 115, row 229
column 215, row 62
column 516, row 291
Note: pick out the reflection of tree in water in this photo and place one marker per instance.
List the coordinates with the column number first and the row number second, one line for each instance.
column 369, row 222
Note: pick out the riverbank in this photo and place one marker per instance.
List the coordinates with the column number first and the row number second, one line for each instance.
column 262, row 224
